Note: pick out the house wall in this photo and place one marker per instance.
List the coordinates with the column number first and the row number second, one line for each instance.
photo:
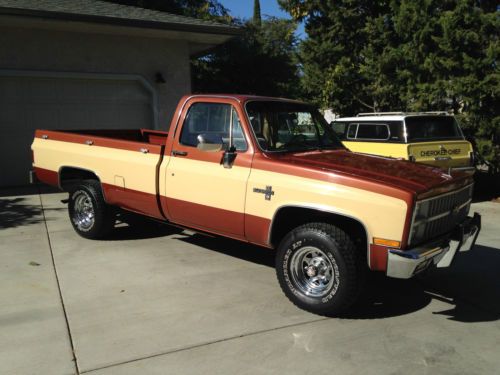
column 81, row 52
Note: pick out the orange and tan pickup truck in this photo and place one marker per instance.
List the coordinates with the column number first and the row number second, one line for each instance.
column 270, row 172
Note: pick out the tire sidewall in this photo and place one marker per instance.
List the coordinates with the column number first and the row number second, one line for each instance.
column 73, row 196
column 94, row 230
column 289, row 246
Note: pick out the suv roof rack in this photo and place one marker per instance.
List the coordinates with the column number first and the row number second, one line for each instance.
column 440, row 113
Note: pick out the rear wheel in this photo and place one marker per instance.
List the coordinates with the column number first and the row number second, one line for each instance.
column 90, row 216
column 319, row 268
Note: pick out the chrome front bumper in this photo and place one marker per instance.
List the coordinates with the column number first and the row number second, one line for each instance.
column 403, row 264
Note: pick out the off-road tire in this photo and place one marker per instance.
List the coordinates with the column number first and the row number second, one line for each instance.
column 330, row 248
column 88, row 212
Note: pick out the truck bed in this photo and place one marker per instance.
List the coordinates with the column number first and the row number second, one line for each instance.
column 125, row 161
column 151, row 137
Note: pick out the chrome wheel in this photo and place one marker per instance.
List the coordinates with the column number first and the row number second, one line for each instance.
column 83, row 211
column 313, row 272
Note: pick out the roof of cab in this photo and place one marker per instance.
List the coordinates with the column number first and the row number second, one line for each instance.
column 243, row 98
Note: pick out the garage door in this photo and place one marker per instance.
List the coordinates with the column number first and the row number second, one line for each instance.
column 64, row 102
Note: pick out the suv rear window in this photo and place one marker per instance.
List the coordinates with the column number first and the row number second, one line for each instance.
column 426, row 128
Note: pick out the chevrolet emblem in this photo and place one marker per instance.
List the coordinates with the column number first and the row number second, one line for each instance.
column 268, row 192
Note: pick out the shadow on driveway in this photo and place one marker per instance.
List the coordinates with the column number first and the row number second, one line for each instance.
column 130, row 226
column 471, row 287
column 14, row 212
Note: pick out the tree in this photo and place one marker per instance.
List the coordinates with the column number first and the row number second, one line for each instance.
column 257, row 19
column 261, row 61
column 405, row 55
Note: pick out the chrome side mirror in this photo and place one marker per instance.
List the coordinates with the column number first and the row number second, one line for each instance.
column 229, row 157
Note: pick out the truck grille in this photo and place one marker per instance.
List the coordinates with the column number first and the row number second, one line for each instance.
column 439, row 215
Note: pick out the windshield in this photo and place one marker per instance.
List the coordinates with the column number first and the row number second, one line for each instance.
column 426, row 128
column 282, row 126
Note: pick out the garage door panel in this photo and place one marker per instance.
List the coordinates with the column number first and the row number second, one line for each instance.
column 10, row 118
column 39, row 90
column 28, row 103
column 15, row 157
column 46, row 114
column 11, row 89
column 74, row 116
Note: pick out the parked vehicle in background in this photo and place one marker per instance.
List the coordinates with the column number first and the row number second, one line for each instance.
column 432, row 138
column 270, row 172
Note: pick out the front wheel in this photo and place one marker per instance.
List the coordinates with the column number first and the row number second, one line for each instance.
column 319, row 268
column 90, row 216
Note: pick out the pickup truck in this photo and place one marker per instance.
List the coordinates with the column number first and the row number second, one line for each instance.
column 273, row 173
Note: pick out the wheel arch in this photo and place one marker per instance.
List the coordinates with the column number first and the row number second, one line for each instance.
column 69, row 175
column 288, row 217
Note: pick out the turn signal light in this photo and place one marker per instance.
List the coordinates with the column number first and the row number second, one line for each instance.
column 384, row 242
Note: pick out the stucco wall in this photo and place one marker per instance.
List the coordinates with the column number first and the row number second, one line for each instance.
column 64, row 51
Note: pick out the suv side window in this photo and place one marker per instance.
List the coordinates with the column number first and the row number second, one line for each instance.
column 340, row 129
column 213, row 120
column 397, row 131
column 351, row 131
column 391, row 131
column 373, row 131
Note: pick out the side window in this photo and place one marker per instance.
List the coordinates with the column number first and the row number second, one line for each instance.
column 351, row 131
column 373, row 132
column 339, row 128
column 212, row 120
column 397, row 131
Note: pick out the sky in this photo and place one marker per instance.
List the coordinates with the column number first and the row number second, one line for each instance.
column 244, row 9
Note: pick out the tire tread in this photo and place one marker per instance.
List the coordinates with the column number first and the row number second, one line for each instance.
column 352, row 258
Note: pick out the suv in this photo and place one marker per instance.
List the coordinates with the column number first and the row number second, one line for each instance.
column 433, row 138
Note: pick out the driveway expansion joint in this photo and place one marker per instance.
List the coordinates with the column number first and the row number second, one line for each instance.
column 74, row 359
column 225, row 339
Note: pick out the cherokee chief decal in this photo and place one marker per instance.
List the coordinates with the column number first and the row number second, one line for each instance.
column 442, row 152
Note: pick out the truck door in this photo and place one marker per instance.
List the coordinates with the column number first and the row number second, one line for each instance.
column 200, row 190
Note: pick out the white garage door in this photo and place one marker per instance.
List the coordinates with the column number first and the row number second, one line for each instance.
column 64, row 102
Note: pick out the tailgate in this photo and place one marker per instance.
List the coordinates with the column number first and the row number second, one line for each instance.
column 442, row 154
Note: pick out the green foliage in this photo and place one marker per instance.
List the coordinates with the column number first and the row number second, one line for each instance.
column 257, row 19
column 261, row 61
column 408, row 55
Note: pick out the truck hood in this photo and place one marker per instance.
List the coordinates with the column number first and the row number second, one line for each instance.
column 409, row 176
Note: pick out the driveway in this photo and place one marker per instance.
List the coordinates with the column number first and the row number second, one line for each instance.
column 156, row 299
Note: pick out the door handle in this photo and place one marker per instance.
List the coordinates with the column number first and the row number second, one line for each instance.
column 179, row 153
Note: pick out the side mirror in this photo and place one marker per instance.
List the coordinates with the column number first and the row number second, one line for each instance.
column 229, row 157
column 209, row 142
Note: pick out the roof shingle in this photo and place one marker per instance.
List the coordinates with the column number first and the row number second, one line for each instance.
column 102, row 11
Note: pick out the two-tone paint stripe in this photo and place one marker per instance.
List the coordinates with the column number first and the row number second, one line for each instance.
column 219, row 200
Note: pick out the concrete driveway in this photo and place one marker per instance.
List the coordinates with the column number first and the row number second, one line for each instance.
column 155, row 299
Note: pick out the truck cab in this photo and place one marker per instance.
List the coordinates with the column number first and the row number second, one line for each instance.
column 432, row 138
